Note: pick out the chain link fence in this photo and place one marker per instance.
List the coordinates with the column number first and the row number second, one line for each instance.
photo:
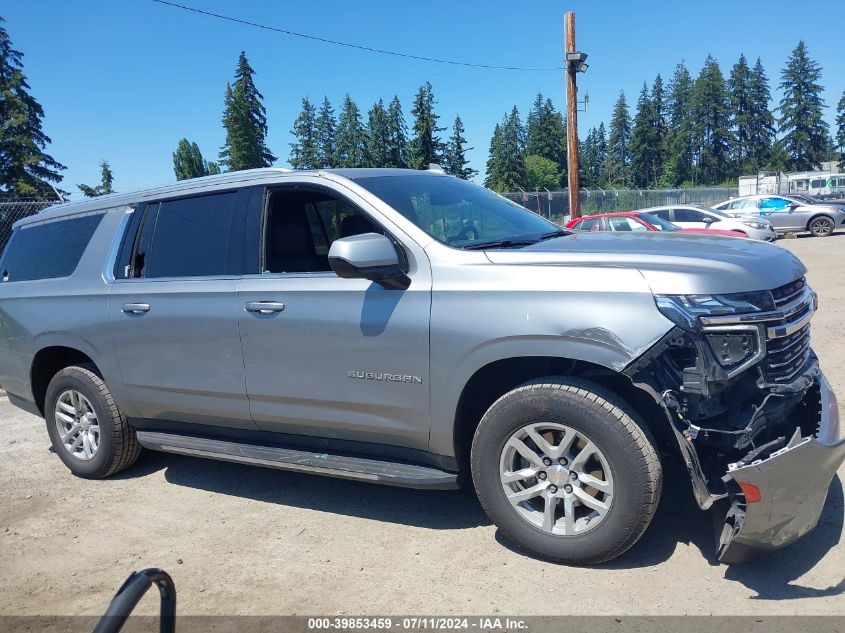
column 555, row 204
column 13, row 209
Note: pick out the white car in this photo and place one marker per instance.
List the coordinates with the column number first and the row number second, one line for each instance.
column 691, row 216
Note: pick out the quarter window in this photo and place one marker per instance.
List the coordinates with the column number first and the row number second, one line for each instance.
column 49, row 250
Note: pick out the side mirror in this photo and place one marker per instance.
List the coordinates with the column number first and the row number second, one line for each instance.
column 368, row 256
column 709, row 219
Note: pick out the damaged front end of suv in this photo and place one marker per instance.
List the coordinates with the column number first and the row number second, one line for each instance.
column 754, row 417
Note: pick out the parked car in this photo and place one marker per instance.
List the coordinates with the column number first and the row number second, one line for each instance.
column 787, row 215
column 637, row 222
column 803, row 198
column 346, row 323
column 700, row 217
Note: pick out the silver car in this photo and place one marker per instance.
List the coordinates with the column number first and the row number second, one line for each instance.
column 413, row 329
column 691, row 216
column 787, row 214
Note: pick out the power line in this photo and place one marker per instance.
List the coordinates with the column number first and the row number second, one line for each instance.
column 369, row 49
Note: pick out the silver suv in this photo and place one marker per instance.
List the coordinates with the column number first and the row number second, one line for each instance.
column 413, row 329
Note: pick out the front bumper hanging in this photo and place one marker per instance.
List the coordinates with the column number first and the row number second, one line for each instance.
column 777, row 499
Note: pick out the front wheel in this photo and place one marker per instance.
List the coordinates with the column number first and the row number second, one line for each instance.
column 821, row 226
column 564, row 470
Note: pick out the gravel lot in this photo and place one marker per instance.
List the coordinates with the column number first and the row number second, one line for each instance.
column 289, row 543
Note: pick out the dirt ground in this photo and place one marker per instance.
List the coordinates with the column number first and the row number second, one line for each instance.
column 249, row 540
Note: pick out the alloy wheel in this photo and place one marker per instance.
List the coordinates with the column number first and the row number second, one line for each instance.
column 77, row 424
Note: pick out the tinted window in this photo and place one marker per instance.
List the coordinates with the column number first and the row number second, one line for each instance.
column 590, row 224
column 48, row 251
column 193, row 237
column 688, row 215
column 661, row 213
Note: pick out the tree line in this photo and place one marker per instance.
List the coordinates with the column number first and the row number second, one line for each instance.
column 700, row 131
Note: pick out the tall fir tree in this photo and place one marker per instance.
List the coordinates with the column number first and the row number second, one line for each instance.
column 305, row 150
column 188, row 162
column 761, row 121
column 710, row 115
column 245, row 120
column 678, row 167
column 658, row 103
column 803, row 131
column 618, row 163
column 645, row 143
column 350, row 150
column 587, row 155
column 426, row 146
column 326, row 140
column 25, row 167
column 740, row 101
column 506, row 164
column 545, row 133
column 840, row 130
column 378, row 136
column 456, row 150
column 601, row 155
column 398, row 134
column 106, row 185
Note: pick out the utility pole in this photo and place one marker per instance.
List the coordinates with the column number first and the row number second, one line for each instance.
column 575, row 62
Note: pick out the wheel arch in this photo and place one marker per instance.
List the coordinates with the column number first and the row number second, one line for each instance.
column 496, row 378
column 50, row 360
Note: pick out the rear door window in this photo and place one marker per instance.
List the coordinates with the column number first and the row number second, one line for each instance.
column 50, row 250
column 688, row 215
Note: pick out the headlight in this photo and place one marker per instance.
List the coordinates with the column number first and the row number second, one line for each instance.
column 756, row 225
column 684, row 310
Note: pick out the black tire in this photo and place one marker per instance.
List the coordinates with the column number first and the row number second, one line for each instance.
column 612, row 426
column 118, row 446
column 821, row 226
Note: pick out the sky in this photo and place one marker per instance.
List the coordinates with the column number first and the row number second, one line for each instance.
column 124, row 81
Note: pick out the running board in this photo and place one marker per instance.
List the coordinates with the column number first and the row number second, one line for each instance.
column 358, row 468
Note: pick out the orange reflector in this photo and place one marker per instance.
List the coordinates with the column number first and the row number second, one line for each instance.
column 751, row 492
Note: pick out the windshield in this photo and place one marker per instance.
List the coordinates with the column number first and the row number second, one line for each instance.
column 659, row 223
column 459, row 213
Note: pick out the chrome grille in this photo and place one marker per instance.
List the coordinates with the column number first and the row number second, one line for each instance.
column 787, row 356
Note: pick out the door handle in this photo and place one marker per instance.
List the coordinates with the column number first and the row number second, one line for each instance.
column 135, row 308
column 264, row 307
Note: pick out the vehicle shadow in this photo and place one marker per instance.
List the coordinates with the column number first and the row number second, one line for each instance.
column 433, row 509
column 678, row 519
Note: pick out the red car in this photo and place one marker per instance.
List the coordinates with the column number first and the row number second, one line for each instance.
column 633, row 222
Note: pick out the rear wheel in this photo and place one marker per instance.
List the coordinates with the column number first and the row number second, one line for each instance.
column 564, row 470
column 88, row 432
column 821, row 226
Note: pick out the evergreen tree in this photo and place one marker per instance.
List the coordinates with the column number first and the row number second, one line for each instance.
column 840, row 130
column 378, row 136
column 710, row 115
column 587, row 154
column 658, row 103
column 189, row 163
column 456, row 160
column 351, row 137
column 426, row 146
column 803, row 130
column 398, row 134
column 326, row 140
column 761, row 121
column 678, row 167
column 106, row 183
column 245, row 120
column 618, row 164
column 740, row 101
column 645, row 142
column 506, row 163
column 305, row 150
column 25, row 168
column 546, row 133
column 540, row 173
column 601, row 156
